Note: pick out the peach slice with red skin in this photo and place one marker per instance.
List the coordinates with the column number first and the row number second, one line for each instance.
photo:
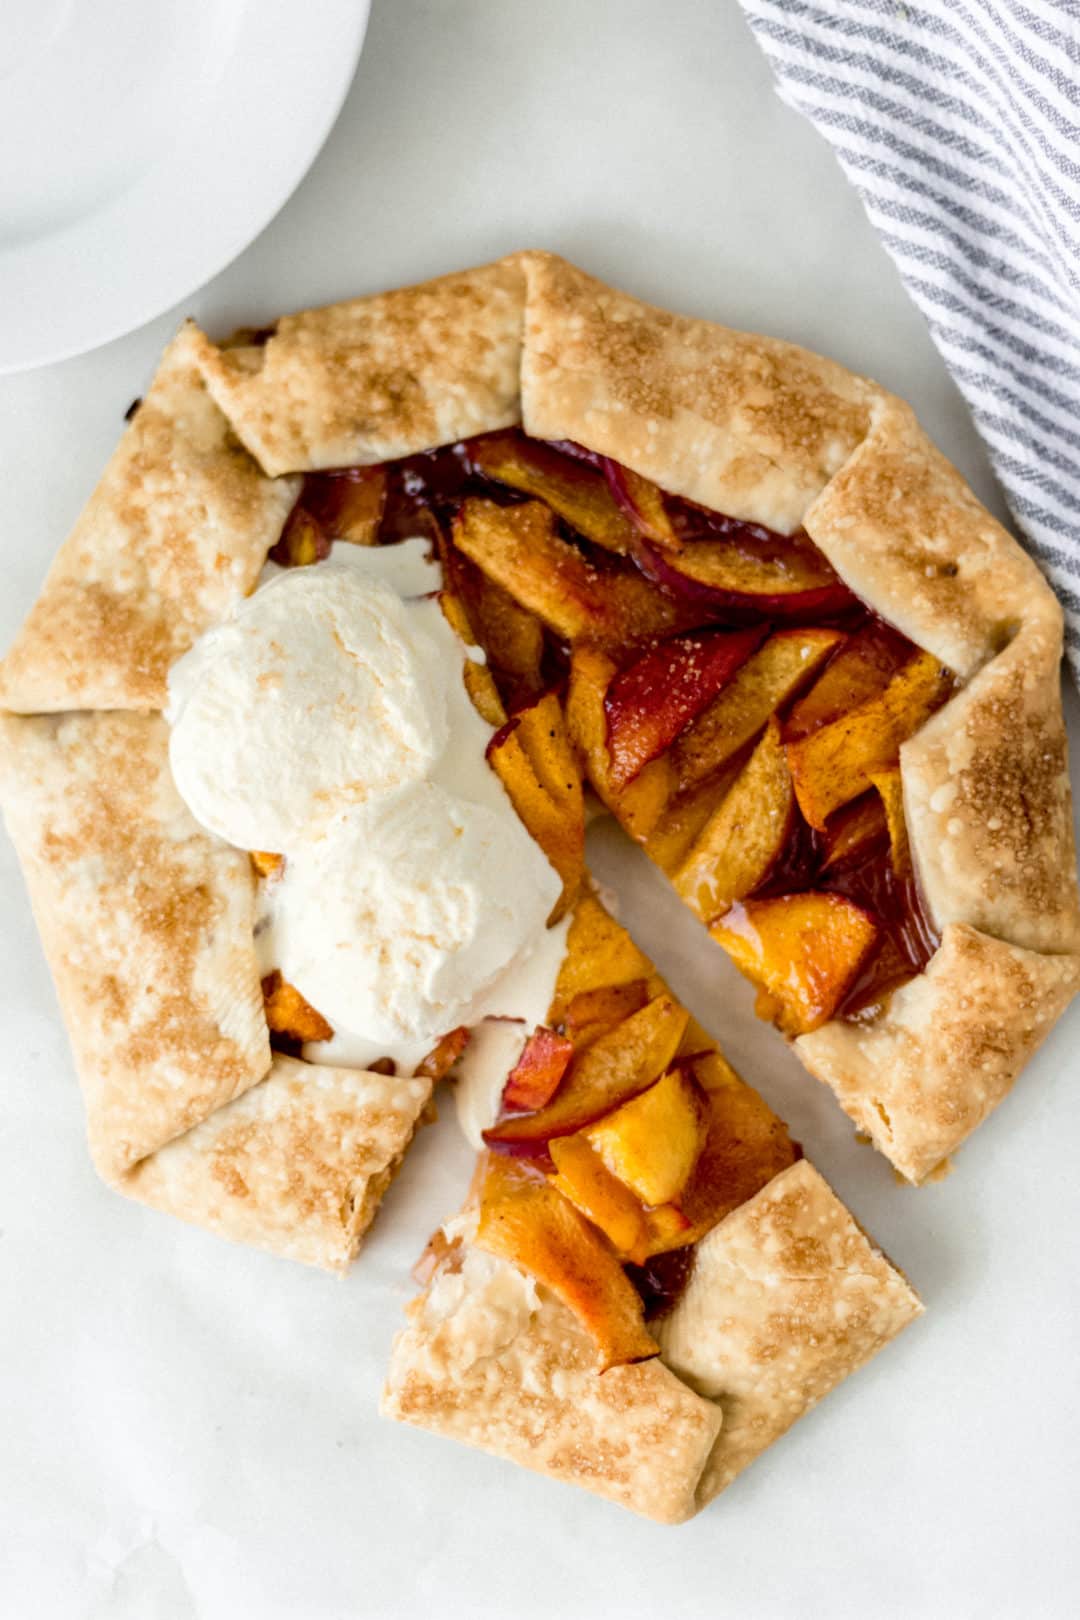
column 651, row 1143
column 750, row 572
column 643, row 503
column 655, row 698
column 802, row 950
column 579, row 494
column 639, row 805
column 769, row 678
column 746, row 835
column 833, row 764
column 535, row 1077
column 610, row 1071
column 525, row 1220
column 595, row 599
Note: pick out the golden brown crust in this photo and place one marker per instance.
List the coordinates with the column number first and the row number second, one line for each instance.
column 504, row 1366
column 989, row 807
column 297, row 1165
column 947, row 1049
column 146, row 924
column 907, row 534
column 786, row 1298
column 175, row 532
column 745, row 424
column 378, row 377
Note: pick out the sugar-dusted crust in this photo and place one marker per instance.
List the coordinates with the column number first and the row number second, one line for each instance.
column 947, row 1049
column 297, row 1165
column 491, row 1360
column 146, row 923
column 786, row 1298
column 378, row 377
column 746, row 424
column 176, row 531
column 988, row 803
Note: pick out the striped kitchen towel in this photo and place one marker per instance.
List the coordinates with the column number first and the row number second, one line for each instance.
column 958, row 122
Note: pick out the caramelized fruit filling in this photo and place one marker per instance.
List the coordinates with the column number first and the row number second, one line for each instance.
column 738, row 708
column 741, row 712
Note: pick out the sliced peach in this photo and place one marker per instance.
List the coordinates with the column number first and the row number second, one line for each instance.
column 744, row 838
column 533, row 758
column 639, row 805
column 582, row 598
column 512, row 637
column 442, row 1057
column 608, row 1004
column 746, row 1144
column 599, row 954
column 652, row 1142
column 267, row 865
column 582, row 1176
column 609, row 1072
column 643, row 503
column 667, row 1228
column 302, row 542
column 684, row 820
column 288, row 1013
column 347, row 505
column 535, row 1077
column 859, row 670
column 854, row 832
column 882, row 973
column 525, row 1220
column 833, row 765
column 574, row 490
column 655, row 698
column 891, row 789
column 775, row 577
column 802, row 950
column 767, row 679
column 483, row 692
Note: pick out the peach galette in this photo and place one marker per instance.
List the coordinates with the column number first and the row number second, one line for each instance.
column 298, row 739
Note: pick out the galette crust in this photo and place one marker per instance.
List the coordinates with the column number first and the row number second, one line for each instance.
column 948, row 1047
column 146, row 922
column 379, row 377
column 758, row 428
column 988, row 803
column 746, row 424
column 175, row 532
column 786, row 1298
column 528, row 1391
column 297, row 1165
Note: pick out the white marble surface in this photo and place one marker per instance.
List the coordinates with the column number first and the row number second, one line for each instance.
column 188, row 1430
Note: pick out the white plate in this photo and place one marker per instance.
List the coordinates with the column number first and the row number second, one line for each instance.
column 143, row 144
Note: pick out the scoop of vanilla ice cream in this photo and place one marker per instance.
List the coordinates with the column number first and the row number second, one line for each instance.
column 406, row 910
column 321, row 690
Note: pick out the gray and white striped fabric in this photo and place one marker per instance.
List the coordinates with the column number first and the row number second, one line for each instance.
column 958, row 122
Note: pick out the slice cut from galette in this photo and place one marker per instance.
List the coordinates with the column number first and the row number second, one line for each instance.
column 648, row 1283
column 295, row 759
